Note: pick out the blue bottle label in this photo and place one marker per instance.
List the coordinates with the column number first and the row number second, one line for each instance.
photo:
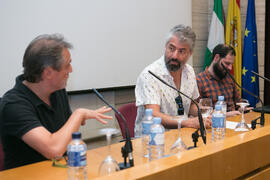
column 218, row 122
column 146, row 127
column 77, row 159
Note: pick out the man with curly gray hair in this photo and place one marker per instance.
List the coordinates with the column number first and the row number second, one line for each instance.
column 173, row 68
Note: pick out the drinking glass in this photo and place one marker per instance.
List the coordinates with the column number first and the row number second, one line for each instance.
column 206, row 107
column 109, row 165
column 178, row 145
column 242, row 125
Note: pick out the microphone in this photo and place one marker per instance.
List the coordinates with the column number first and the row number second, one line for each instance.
column 127, row 148
column 260, row 76
column 253, row 122
column 202, row 128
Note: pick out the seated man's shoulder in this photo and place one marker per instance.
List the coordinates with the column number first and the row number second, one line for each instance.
column 13, row 96
column 201, row 74
column 155, row 67
column 13, row 100
column 189, row 68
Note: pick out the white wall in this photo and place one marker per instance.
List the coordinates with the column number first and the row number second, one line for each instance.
column 113, row 39
column 91, row 101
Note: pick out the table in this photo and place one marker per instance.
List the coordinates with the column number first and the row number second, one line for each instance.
column 240, row 154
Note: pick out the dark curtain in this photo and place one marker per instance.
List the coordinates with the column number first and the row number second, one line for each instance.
column 267, row 53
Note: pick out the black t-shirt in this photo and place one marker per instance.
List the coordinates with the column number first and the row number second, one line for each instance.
column 20, row 111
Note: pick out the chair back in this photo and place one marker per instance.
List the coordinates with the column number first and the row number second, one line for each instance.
column 129, row 111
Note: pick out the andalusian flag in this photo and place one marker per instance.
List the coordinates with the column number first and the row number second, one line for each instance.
column 250, row 58
column 233, row 36
column 216, row 32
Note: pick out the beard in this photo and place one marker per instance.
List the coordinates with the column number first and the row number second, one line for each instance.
column 173, row 67
column 219, row 71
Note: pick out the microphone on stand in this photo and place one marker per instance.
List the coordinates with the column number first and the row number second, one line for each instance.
column 127, row 148
column 263, row 108
column 260, row 76
column 253, row 122
column 202, row 128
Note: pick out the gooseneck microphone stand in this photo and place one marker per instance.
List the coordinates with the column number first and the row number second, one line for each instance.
column 253, row 122
column 260, row 76
column 195, row 135
column 127, row 149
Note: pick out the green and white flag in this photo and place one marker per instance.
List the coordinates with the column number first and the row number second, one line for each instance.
column 216, row 32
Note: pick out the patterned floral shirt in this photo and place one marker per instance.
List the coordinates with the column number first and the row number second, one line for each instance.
column 150, row 90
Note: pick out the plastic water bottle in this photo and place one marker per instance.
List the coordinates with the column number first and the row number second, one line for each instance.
column 77, row 158
column 224, row 107
column 146, row 125
column 222, row 103
column 157, row 139
column 218, row 128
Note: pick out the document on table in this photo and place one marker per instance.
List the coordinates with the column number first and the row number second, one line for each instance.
column 232, row 125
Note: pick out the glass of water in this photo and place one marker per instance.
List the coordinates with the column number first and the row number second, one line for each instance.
column 242, row 125
column 109, row 165
column 178, row 145
column 206, row 107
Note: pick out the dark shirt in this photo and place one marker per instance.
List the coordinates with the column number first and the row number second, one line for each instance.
column 20, row 111
column 209, row 87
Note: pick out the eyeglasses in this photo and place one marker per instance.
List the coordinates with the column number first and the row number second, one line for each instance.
column 56, row 162
column 179, row 102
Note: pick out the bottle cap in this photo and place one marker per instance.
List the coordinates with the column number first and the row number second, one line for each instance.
column 76, row 135
column 218, row 107
column 148, row 112
column 157, row 120
column 221, row 98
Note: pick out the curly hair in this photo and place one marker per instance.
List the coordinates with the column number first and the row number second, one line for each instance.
column 184, row 34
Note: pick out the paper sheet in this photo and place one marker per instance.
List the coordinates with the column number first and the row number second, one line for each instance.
column 232, row 125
